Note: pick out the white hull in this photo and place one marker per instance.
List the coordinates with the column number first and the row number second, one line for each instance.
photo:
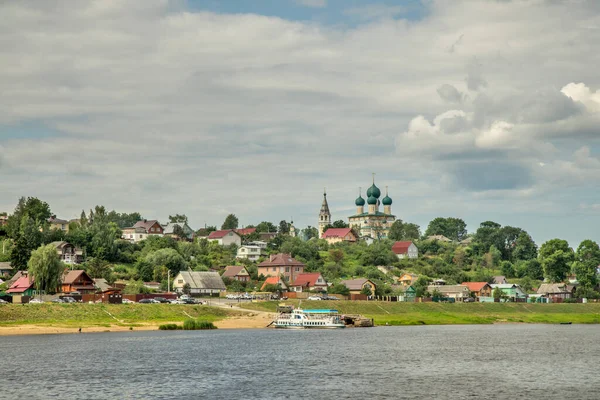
column 309, row 319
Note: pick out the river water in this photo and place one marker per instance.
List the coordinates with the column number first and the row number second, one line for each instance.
column 424, row 362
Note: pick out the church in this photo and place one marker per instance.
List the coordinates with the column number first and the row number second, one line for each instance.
column 372, row 223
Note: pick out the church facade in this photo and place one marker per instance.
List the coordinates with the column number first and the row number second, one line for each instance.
column 370, row 223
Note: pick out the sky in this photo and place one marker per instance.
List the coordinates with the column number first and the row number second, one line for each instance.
column 481, row 110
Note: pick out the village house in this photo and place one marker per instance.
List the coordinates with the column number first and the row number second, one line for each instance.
column 151, row 226
column 337, row 235
column 207, row 283
column 245, row 231
column 479, row 289
column 262, row 245
column 439, row 238
column 267, row 236
column 499, row 280
column 68, row 253
column 59, row 224
column 457, row 292
column 252, row 253
column 274, row 280
column 312, row 281
column 556, row 291
column 134, row 235
column 169, row 230
column 357, row 285
column 405, row 249
column 5, row 269
column 236, row 273
column 281, row 265
column 225, row 237
column 77, row 281
column 407, row 279
column 511, row 290
column 21, row 289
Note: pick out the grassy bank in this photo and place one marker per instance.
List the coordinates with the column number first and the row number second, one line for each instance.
column 448, row 314
column 86, row 315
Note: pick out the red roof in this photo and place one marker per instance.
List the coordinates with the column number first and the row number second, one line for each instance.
column 474, row 286
column 308, row 279
column 245, row 231
column 336, row 232
column 401, row 247
column 20, row 285
column 146, row 224
column 220, row 234
column 272, row 280
column 281, row 260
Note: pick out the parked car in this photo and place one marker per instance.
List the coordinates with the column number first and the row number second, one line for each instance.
column 147, row 301
column 184, row 297
column 127, row 301
column 314, row 298
column 232, row 296
column 330, row 298
column 69, row 300
column 3, row 301
column 161, row 300
column 35, row 301
column 57, row 300
column 469, row 300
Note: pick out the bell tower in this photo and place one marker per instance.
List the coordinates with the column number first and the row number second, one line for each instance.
column 324, row 214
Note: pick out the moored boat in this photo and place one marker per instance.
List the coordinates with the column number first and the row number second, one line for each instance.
column 309, row 319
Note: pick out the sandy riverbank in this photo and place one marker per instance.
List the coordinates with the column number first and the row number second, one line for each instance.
column 252, row 321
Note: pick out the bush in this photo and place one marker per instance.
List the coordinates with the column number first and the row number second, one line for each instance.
column 192, row 325
column 169, row 327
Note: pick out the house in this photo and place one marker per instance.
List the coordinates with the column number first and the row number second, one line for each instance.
column 22, row 287
column 466, row 242
column 200, row 282
column 458, row 292
column 236, row 273
column 151, row 226
column 245, row 231
column 281, row 265
column 225, row 237
column 479, row 289
column 357, row 285
column 252, row 253
column 68, row 253
column 5, row 269
column 169, row 230
column 556, row 290
column 267, row 236
column 57, row 223
column 313, row 281
column 134, row 234
column 407, row 279
column 499, row 280
column 385, row 269
column 405, row 249
column 440, row 238
column 77, row 281
column 511, row 290
column 274, row 280
column 337, row 235
column 103, row 286
column 3, row 220
column 410, row 294
column 262, row 245
column 14, row 278
column 367, row 239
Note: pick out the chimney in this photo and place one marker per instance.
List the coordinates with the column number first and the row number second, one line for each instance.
column 271, row 257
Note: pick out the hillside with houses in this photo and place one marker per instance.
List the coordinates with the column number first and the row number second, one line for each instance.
column 106, row 252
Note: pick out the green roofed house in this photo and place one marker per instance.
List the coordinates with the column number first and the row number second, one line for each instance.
column 373, row 222
column 410, row 294
column 513, row 291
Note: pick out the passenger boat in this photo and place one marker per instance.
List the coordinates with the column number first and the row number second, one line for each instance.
column 309, row 319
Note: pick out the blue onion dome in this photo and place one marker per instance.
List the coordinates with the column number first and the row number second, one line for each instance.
column 372, row 200
column 360, row 201
column 374, row 191
column 387, row 201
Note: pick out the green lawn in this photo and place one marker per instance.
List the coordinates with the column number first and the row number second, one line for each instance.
column 98, row 314
column 447, row 313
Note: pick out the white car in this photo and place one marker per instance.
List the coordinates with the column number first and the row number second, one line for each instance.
column 35, row 301
column 232, row 297
column 314, row 298
column 127, row 301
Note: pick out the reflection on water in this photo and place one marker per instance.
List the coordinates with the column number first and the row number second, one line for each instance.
column 429, row 362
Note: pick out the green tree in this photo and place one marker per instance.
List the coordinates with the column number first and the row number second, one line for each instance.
column 497, row 293
column 587, row 259
column 178, row 218
column 310, row 232
column 336, row 255
column 266, row 226
column 525, row 248
column 556, row 257
column 527, row 284
column 135, row 287
column 338, row 288
column 179, row 232
column 284, row 227
column 97, row 268
column 507, row 269
column 46, row 269
column 412, row 231
column 366, row 291
column 231, row 222
column 340, row 224
column 28, row 238
column 404, row 231
column 533, row 269
column 169, row 258
column 452, row 228
column 32, row 207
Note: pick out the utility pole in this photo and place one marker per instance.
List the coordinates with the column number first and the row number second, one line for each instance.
column 169, row 281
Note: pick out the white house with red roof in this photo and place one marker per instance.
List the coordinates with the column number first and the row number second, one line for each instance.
column 313, row 281
column 225, row 237
column 405, row 249
column 151, row 226
column 336, row 235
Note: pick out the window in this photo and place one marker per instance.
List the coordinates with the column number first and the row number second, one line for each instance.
column 297, row 269
column 274, row 269
column 180, row 281
column 130, row 236
column 287, row 269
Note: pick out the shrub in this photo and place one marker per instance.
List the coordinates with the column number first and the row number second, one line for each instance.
column 189, row 325
column 192, row 325
column 169, row 327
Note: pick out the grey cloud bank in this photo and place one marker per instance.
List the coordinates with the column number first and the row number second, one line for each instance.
column 481, row 110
